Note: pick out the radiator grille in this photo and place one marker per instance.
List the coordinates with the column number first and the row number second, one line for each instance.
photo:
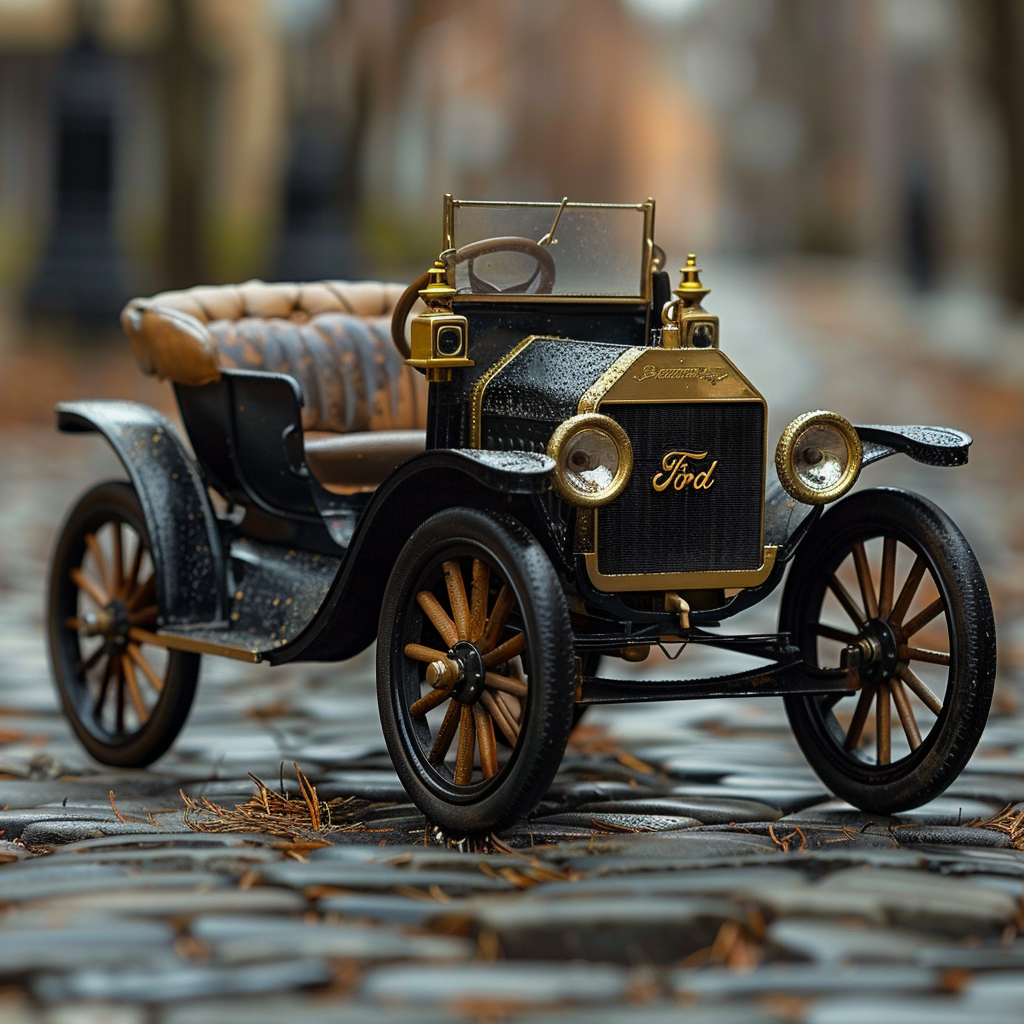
column 647, row 531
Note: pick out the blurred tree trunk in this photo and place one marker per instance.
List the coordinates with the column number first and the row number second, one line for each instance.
column 1002, row 33
column 385, row 61
column 183, row 82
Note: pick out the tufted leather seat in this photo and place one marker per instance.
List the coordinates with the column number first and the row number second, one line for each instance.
column 364, row 410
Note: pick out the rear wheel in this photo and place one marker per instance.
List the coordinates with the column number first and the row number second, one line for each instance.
column 888, row 573
column 475, row 643
column 127, row 700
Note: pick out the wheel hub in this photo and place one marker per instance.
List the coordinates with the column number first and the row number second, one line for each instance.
column 879, row 651
column 110, row 622
column 470, row 684
column 96, row 623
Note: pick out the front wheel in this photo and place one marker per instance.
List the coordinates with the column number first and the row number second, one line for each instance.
column 475, row 643
column 889, row 574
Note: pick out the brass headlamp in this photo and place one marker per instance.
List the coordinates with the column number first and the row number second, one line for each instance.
column 593, row 459
column 818, row 457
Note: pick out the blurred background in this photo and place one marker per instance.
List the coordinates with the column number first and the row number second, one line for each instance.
column 147, row 144
column 850, row 173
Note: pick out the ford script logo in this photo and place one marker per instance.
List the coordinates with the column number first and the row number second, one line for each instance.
column 677, row 474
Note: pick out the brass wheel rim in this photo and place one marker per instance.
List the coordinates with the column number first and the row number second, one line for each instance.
column 468, row 729
column 115, row 591
column 884, row 599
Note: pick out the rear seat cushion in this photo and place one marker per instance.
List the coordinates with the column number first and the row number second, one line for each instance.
column 332, row 336
column 362, row 460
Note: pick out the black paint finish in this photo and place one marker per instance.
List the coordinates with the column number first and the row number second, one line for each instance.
column 786, row 520
column 266, row 442
column 934, row 446
column 183, row 533
column 793, row 677
column 495, row 332
column 647, row 531
column 428, row 483
column 274, row 592
column 545, row 382
column 205, row 414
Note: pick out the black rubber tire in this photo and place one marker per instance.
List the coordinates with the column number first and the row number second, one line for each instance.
column 519, row 559
column 113, row 500
column 926, row 772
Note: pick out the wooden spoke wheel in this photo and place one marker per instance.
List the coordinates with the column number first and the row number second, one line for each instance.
column 475, row 670
column 887, row 576
column 126, row 700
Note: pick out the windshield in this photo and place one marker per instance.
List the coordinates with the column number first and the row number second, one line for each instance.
column 557, row 249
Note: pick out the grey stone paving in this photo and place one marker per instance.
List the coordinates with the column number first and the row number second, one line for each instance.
column 746, row 893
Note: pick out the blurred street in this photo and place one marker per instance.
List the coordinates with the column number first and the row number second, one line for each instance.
column 686, row 857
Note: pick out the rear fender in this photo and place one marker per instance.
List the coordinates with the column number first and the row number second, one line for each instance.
column 184, row 537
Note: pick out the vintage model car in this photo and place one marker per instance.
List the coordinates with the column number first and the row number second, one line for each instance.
column 550, row 463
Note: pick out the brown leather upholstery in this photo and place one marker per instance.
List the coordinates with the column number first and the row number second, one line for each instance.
column 332, row 336
column 359, row 461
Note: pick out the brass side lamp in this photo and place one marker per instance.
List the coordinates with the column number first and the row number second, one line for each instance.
column 685, row 322
column 439, row 337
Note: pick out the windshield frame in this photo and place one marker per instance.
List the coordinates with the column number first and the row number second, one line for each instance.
column 643, row 298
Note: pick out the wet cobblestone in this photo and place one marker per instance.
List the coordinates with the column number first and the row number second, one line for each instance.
column 685, row 860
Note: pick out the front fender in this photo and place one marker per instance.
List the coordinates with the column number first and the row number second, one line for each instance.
column 184, row 539
column 933, row 446
column 786, row 520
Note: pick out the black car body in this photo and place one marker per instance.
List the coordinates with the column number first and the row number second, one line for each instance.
column 581, row 422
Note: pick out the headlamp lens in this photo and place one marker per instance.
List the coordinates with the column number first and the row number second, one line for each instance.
column 820, row 457
column 590, row 461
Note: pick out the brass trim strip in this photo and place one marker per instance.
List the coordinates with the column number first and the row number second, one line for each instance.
column 448, row 228
column 647, row 270
column 682, row 401
column 583, row 536
column 725, row 579
column 639, row 302
column 476, row 399
column 592, row 396
column 552, row 203
column 173, row 642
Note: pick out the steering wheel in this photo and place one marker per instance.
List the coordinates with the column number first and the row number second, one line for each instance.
column 540, row 282
column 543, row 274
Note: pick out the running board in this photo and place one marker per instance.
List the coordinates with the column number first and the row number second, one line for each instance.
column 211, row 641
column 276, row 593
column 780, row 680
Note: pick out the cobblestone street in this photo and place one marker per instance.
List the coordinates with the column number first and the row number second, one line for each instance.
column 686, row 864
